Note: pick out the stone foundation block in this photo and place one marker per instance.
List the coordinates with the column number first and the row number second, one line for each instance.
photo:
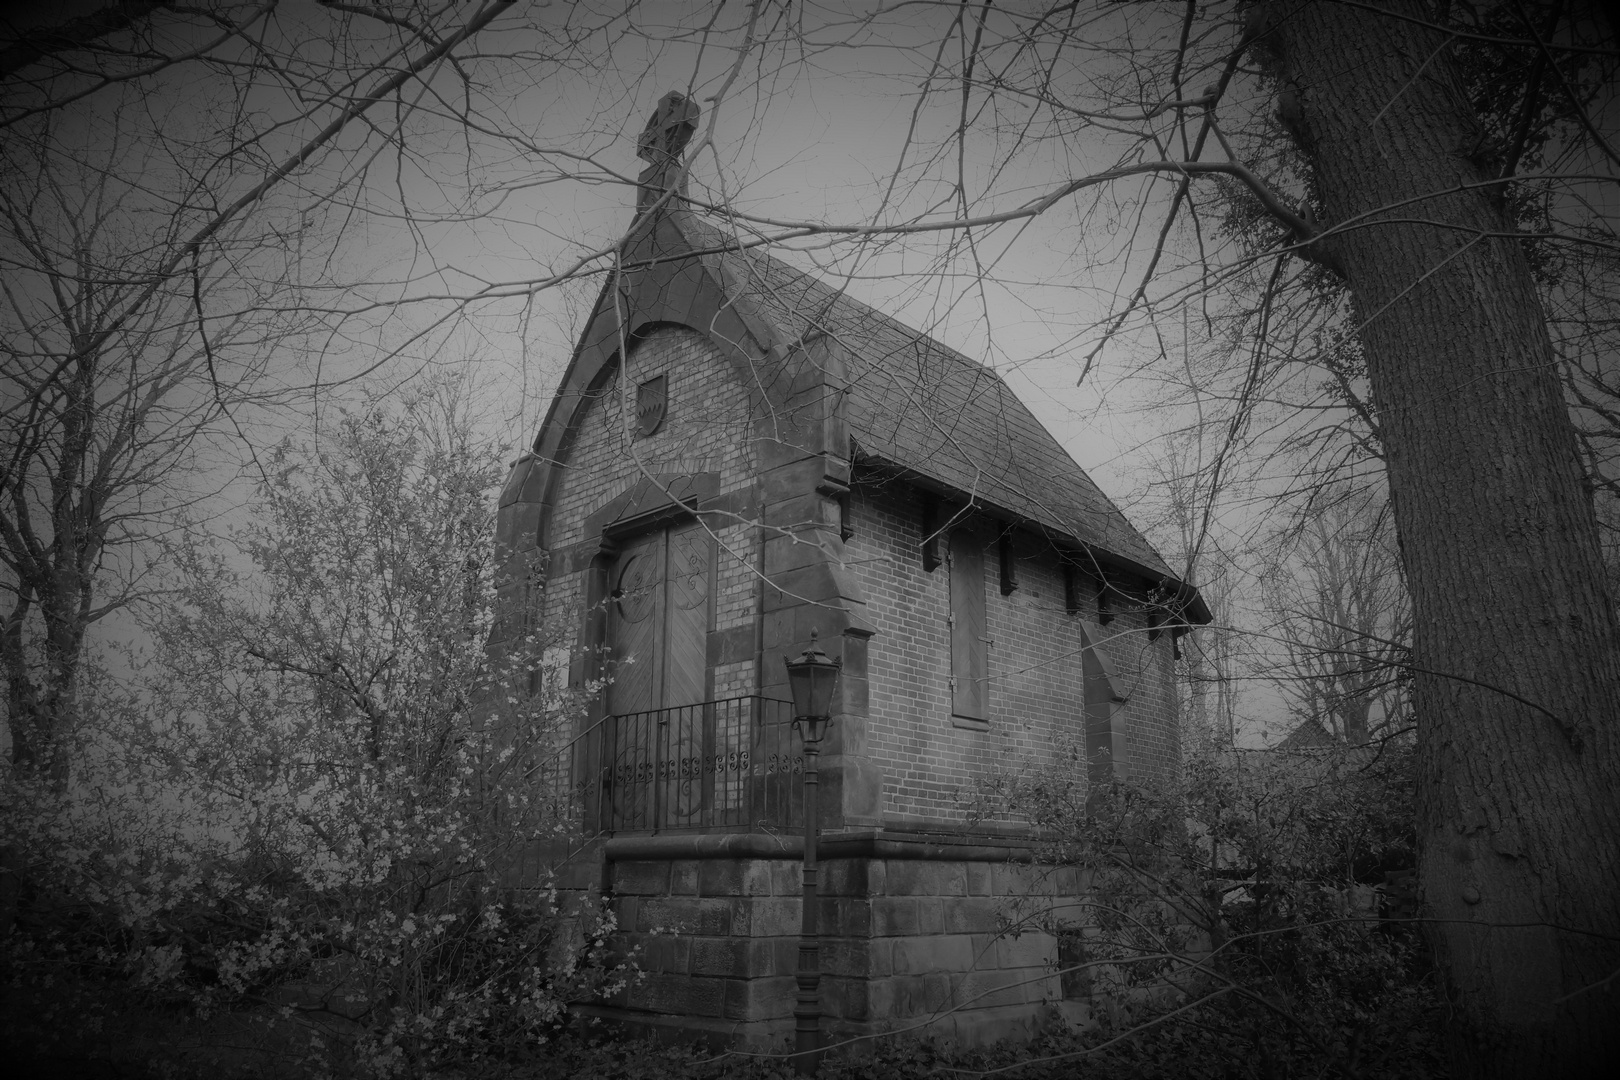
column 1060, row 880
column 770, row 917
column 641, row 878
column 971, row 915
column 880, row 956
column 921, row 877
column 895, row 916
column 1033, row 950
column 733, row 957
column 760, row 999
column 685, row 915
column 735, row 877
column 784, row 955
column 988, row 989
column 845, row 877
column 903, row 940
column 1007, row 879
column 669, row 992
column 845, row 999
column 931, row 914
column 628, row 911
column 1008, row 1023
column 787, row 878
column 845, row 917
column 658, row 952
column 845, row 956
column 903, row 997
column 683, row 877
column 922, row 954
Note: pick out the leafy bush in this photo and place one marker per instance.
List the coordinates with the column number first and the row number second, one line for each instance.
column 296, row 809
column 1254, row 888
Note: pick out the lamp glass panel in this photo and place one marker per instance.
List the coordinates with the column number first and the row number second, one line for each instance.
column 812, row 679
column 799, row 682
column 822, row 679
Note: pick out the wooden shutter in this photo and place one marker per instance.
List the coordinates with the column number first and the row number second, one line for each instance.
column 1009, row 566
column 970, row 652
column 1105, row 713
column 930, row 531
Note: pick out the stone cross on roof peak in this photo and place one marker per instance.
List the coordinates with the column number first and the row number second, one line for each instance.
column 668, row 130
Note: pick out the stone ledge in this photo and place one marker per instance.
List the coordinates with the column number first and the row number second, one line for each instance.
column 703, row 846
column 884, row 844
column 854, row 844
column 894, row 822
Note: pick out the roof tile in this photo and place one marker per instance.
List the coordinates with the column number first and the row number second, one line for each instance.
column 921, row 405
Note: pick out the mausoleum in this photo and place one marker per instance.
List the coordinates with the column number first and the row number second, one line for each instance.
column 742, row 458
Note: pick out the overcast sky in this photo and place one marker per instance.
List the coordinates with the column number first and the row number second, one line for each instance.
column 823, row 124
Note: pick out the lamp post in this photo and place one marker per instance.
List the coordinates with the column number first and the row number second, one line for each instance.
column 812, row 678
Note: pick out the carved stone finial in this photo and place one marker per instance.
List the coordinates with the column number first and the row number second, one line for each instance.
column 668, row 130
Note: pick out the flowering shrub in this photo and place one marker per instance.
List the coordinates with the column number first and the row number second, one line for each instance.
column 295, row 809
column 1255, row 887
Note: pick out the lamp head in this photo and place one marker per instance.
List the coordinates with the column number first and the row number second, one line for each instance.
column 812, row 677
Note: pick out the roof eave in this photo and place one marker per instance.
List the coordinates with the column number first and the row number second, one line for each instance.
column 1185, row 600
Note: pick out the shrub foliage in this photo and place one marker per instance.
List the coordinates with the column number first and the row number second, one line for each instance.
column 1265, row 900
column 295, row 814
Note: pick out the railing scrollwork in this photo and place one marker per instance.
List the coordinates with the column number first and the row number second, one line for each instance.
column 730, row 764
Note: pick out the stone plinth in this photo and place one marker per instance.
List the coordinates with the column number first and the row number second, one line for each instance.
column 916, row 936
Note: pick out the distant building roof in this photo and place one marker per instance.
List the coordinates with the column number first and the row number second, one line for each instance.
column 1308, row 735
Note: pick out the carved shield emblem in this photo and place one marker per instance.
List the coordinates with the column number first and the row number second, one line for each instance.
column 651, row 400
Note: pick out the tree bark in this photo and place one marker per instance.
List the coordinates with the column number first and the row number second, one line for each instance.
column 1517, row 654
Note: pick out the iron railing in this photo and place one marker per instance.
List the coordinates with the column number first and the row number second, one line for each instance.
column 720, row 765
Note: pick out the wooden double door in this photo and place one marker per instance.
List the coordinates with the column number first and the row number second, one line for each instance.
column 658, row 635
column 660, row 619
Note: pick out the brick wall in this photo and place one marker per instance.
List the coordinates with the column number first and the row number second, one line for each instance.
column 707, row 428
column 934, row 764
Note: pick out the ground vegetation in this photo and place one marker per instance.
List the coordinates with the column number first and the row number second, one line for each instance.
column 290, row 835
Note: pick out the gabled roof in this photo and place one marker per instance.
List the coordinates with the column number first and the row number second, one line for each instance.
column 1309, row 734
column 921, row 406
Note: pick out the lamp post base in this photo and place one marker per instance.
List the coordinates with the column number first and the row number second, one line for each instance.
column 807, row 1011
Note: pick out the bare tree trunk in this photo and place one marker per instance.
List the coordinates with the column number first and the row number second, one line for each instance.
column 1517, row 652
